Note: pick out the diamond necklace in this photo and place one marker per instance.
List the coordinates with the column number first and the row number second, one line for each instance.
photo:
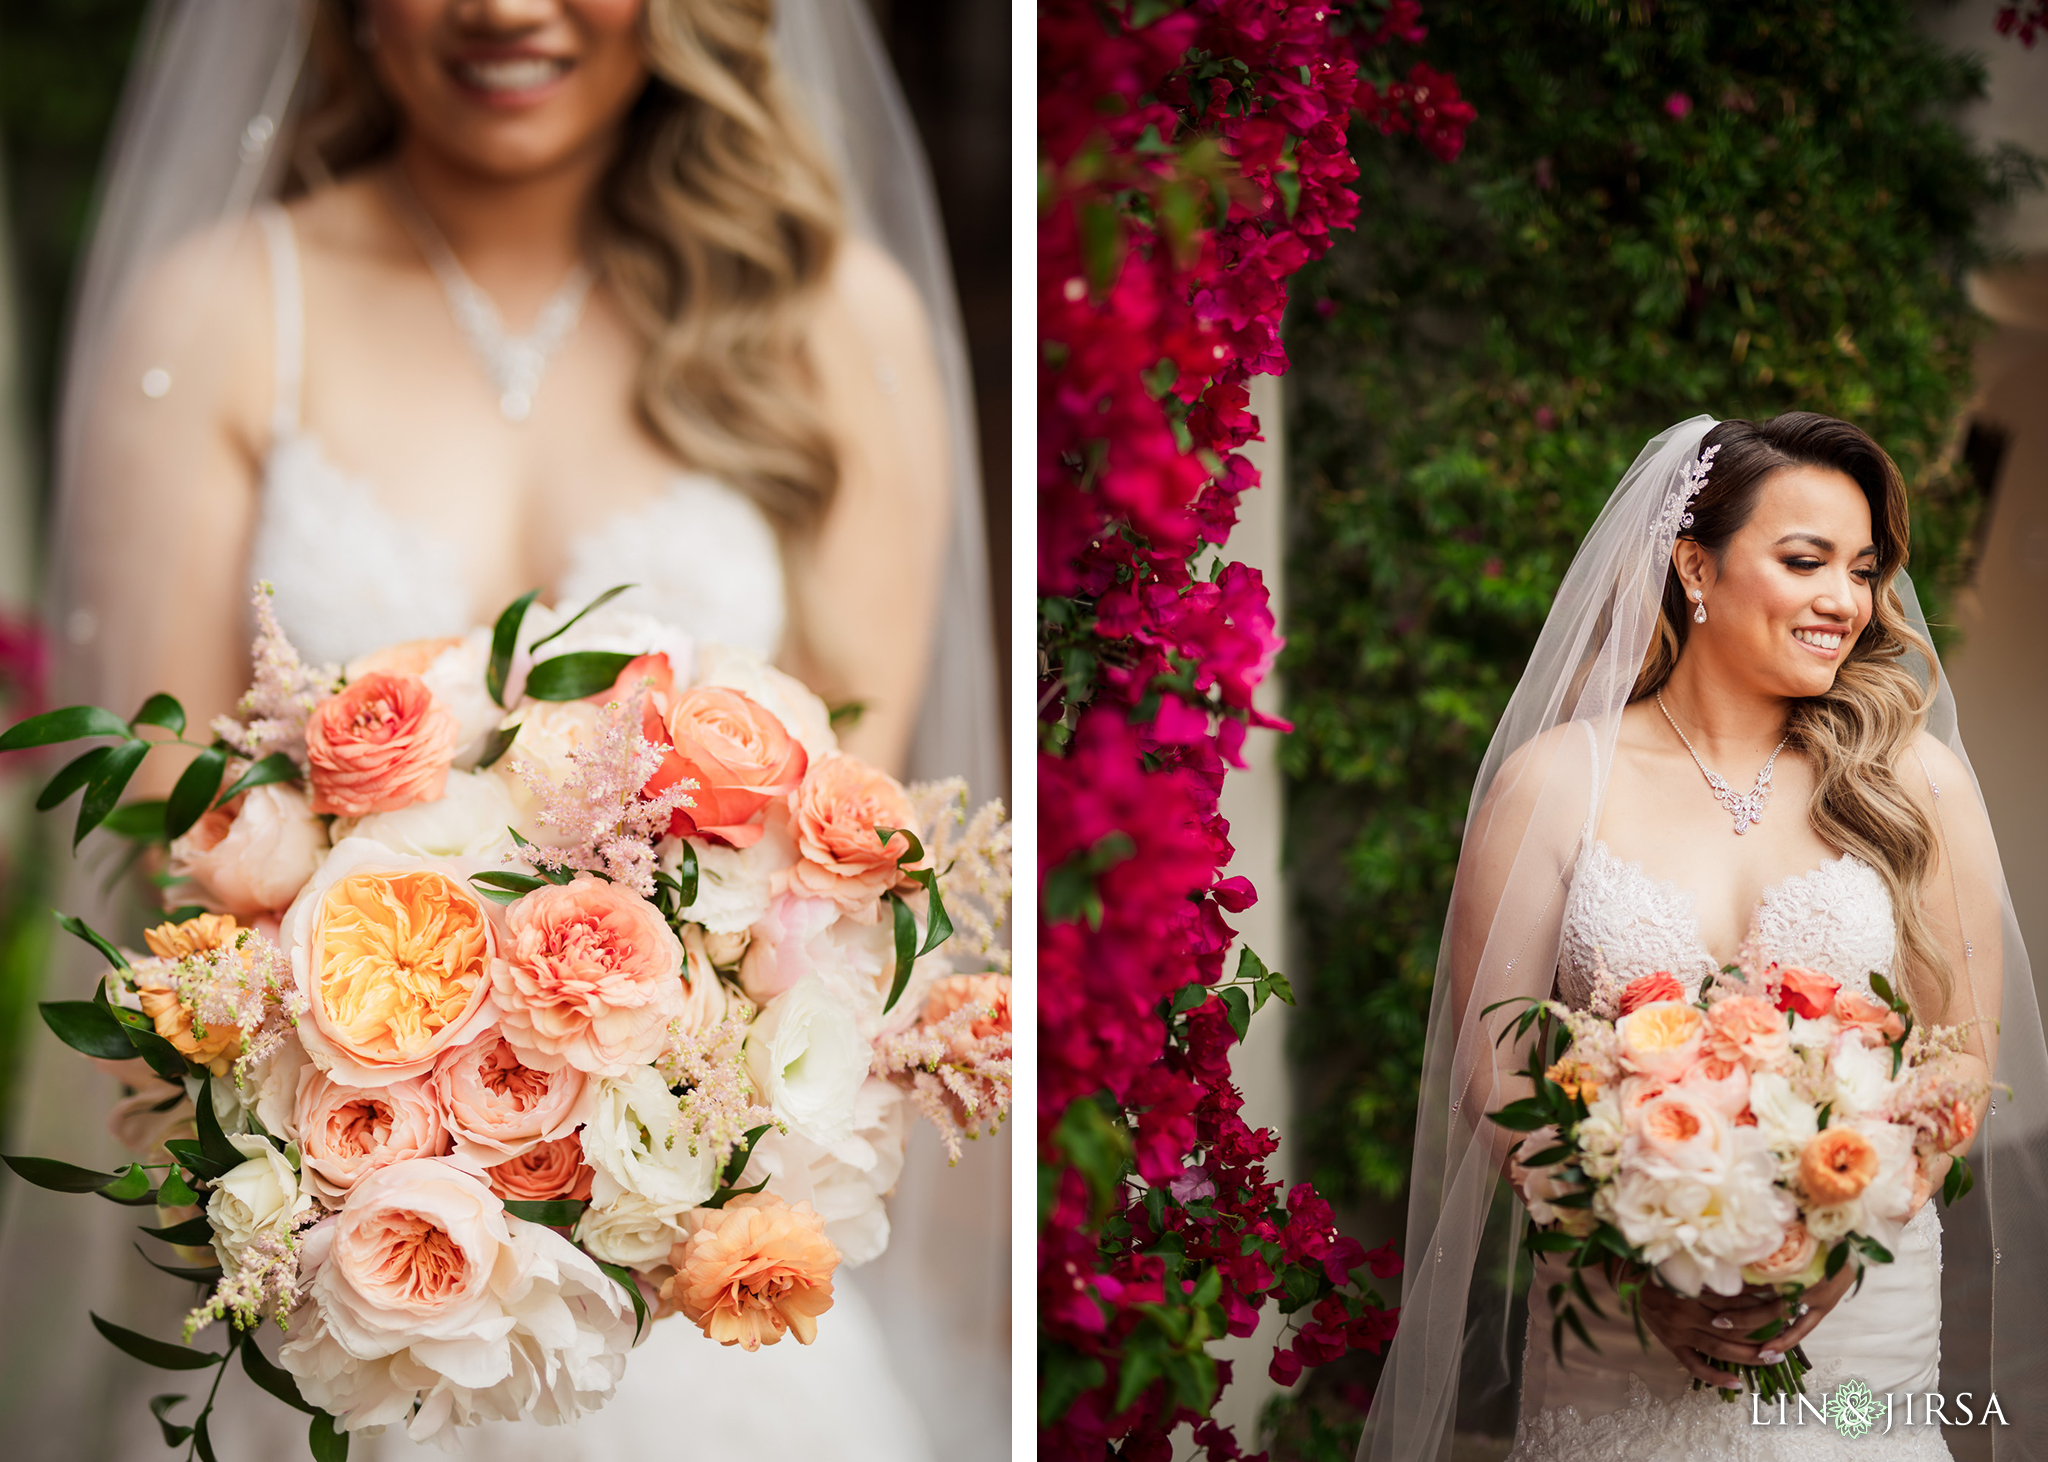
column 515, row 363
column 1747, row 808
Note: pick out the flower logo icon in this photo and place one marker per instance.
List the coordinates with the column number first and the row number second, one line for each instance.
column 1853, row 1408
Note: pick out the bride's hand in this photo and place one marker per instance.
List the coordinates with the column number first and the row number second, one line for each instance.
column 1702, row 1331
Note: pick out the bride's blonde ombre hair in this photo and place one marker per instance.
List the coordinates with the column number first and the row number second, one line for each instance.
column 717, row 226
column 1859, row 731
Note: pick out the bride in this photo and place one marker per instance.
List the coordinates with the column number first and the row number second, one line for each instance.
column 1732, row 728
column 562, row 293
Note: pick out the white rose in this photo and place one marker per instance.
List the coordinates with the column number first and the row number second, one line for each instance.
column 1785, row 1121
column 783, row 696
column 456, row 677
column 734, row 885
column 547, row 733
column 630, row 1230
column 468, row 820
column 708, row 1000
column 260, row 1197
column 1809, row 1034
column 847, row 1181
column 1863, row 1077
column 254, row 860
column 638, row 1142
column 808, row 1060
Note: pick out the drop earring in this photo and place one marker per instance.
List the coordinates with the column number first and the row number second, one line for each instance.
column 1699, row 615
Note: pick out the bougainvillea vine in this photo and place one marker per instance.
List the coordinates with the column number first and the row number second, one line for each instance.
column 1192, row 158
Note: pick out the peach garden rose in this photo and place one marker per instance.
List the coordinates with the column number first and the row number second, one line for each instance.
column 381, row 744
column 253, row 854
column 497, row 1106
column 840, row 856
column 552, row 1169
column 347, row 1132
column 1660, row 1039
column 591, row 979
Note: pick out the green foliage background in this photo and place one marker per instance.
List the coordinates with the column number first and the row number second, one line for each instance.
column 1663, row 209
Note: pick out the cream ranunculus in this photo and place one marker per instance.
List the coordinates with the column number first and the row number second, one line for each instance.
column 638, row 1142
column 430, row 1306
column 251, row 857
column 846, row 1182
column 260, row 1197
column 471, row 819
column 734, row 886
column 808, row 1060
column 781, row 695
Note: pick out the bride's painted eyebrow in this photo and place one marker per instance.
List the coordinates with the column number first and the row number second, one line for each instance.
column 1825, row 545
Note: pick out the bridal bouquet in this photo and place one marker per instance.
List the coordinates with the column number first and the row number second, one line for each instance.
column 518, row 991
column 1768, row 1133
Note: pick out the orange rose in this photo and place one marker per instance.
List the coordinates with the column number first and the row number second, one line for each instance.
column 840, row 857
column 740, row 757
column 752, row 1270
column 546, row 1170
column 1646, row 989
column 1838, row 1163
column 382, row 744
column 1806, row 992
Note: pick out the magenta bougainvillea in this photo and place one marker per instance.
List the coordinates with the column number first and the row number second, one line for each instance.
column 1192, row 158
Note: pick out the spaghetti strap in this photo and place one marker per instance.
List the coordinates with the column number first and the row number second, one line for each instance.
column 289, row 310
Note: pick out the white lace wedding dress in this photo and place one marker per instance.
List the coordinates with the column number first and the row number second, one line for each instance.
column 1624, row 1404
column 351, row 576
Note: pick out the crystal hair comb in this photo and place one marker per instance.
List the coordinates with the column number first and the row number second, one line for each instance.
column 1675, row 517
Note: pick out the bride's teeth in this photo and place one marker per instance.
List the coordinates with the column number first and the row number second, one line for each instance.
column 1817, row 640
column 522, row 74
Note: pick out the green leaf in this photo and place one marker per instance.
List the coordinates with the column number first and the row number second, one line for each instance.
column 159, row 1353
column 736, row 1164
column 328, row 1444
column 76, row 773
column 553, row 1212
column 277, row 767
column 194, row 792
column 138, row 822
column 502, row 886
column 496, row 745
column 1525, row 1115
column 69, row 724
column 132, row 1186
column 906, row 949
column 1837, row 1257
column 622, row 1276
column 212, row 1140
column 165, row 1059
column 175, row 1192
column 201, row 1441
column 1188, row 997
column 58, row 1177
column 1282, row 989
column 1237, row 1008
column 572, row 677
column 161, row 710
column 1097, row 1145
column 86, row 1025
column 194, row 1159
column 504, row 645
column 108, row 782
column 846, row 715
column 193, row 1233
column 1064, row 1376
column 1871, row 1248
column 1069, row 890
column 174, row 1435
column 598, row 603
column 1959, row 1182
column 1883, row 989
column 274, row 1378
column 686, row 877
column 179, row 1271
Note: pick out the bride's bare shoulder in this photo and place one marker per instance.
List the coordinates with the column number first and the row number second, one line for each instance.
column 1926, row 767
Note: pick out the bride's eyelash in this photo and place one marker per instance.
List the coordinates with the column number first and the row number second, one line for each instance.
column 1807, row 565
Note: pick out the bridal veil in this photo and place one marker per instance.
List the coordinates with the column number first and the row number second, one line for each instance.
column 203, row 136
column 1452, row 1374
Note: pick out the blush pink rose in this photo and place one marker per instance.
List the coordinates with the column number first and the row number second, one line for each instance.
column 347, row 1132
column 1789, row 1260
column 1805, row 992
column 1745, row 1028
column 591, row 978
column 382, row 744
column 1682, row 1132
column 840, row 856
column 552, row 1169
column 740, row 756
column 251, row 855
column 1722, row 1085
column 495, row 1106
column 1874, row 1019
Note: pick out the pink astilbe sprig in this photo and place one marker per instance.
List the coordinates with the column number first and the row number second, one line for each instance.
column 973, row 859
column 271, row 715
column 247, row 984
column 719, row 1103
column 265, row 1284
column 613, row 827
column 955, row 1070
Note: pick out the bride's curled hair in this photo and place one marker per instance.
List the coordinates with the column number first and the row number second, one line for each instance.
column 717, row 226
column 1858, row 732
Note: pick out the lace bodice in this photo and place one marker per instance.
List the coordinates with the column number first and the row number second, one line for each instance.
column 1836, row 919
column 350, row 575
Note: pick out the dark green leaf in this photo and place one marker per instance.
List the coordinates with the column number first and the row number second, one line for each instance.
column 554, row 1212
column 58, row 1177
column 1571, row 1318
column 328, row 1444
column 138, row 822
column 742, row 1154
column 505, row 644
column 277, row 767
column 572, row 677
column 1550, row 1241
column 1768, row 1329
column 194, row 1159
column 1546, row 1157
column 164, row 1058
column 108, row 782
column 1958, row 1182
column 1883, row 988
column 621, row 1276
column 1283, row 991
column 1188, row 997
column 212, row 1141
column 1237, row 1008
column 1064, row 1375
column 179, row 1271
column 159, row 1353
column 76, row 773
column 1837, row 1257
column 173, row 1434
column 68, row 724
column 496, row 745
column 274, row 1378
column 686, row 876
column 906, row 950
column 194, row 792
column 161, row 710
column 1525, row 1115
column 201, row 1441
column 1872, row 1249
column 599, row 602
column 86, row 1025
column 193, row 1233
column 504, row 887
